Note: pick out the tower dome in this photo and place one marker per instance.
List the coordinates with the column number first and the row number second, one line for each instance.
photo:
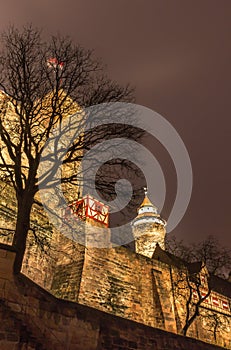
column 148, row 228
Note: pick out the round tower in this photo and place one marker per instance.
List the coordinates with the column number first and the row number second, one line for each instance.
column 148, row 228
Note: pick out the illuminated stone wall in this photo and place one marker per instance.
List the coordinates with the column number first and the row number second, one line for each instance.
column 33, row 319
column 121, row 282
column 148, row 235
column 115, row 280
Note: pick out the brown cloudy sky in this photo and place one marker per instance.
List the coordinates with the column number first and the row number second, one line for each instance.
column 177, row 53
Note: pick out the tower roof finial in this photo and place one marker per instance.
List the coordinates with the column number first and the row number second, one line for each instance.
column 145, row 191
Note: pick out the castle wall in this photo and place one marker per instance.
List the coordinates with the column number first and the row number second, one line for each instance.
column 40, row 255
column 121, row 282
column 68, row 270
column 7, row 213
column 124, row 283
column 116, row 280
column 212, row 324
column 34, row 319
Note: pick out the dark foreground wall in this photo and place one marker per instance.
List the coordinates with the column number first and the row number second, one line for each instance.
column 123, row 334
column 33, row 319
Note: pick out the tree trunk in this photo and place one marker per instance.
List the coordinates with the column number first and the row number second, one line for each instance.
column 190, row 320
column 25, row 203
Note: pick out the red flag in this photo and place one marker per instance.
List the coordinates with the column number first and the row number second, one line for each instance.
column 53, row 63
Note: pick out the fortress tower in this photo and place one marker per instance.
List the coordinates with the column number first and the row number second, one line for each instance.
column 95, row 215
column 148, row 228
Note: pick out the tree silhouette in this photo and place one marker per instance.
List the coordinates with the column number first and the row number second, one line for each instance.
column 199, row 268
column 42, row 83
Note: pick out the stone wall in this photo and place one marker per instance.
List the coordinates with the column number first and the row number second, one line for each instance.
column 124, row 283
column 116, row 280
column 39, row 259
column 33, row 319
column 67, row 274
column 147, row 235
column 120, row 282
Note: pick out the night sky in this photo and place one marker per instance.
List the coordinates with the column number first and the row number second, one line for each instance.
column 177, row 54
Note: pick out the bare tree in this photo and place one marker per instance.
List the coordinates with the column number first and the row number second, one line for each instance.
column 215, row 323
column 197, row 266
column 42, row 83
